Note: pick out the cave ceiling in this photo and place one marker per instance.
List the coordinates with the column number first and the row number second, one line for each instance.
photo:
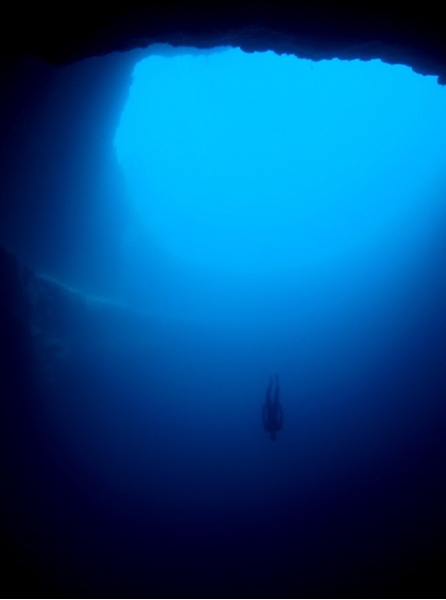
column 406, row 33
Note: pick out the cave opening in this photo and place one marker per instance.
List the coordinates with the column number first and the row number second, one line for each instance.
column 258, row 238
column 258, row 171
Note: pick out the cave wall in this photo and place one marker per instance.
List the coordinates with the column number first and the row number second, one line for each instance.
column 410, row 33
column 59, row 175
column 58, row 116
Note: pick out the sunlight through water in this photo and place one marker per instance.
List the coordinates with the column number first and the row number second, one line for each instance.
column 259, row 162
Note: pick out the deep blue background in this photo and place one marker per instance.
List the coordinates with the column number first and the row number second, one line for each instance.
column 285, row 217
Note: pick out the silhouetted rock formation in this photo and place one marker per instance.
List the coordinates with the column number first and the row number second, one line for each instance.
column 15, row 327
column 413, row 34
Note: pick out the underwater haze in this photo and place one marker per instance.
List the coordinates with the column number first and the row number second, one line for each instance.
column 297, row 209
column 288, row 221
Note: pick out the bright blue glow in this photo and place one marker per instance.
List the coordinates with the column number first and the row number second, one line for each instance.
column 289, row 218
column 253, row 162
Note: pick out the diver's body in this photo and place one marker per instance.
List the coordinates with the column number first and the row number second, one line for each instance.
column 272, row 413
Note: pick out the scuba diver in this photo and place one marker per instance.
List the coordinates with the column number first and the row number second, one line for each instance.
column 272, row 413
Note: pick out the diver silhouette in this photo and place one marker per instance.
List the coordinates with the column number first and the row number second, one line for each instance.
column 272, row 413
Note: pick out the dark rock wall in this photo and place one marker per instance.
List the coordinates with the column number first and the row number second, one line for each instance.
column 53, row 342
column 58, row 171
column 15, row 339
column 410, row 33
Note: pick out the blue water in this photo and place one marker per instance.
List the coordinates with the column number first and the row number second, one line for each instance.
column 289, row 212
column 287, row 217
column 295, row 210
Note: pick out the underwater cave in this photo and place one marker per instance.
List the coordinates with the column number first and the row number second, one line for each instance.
column 180, row 222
